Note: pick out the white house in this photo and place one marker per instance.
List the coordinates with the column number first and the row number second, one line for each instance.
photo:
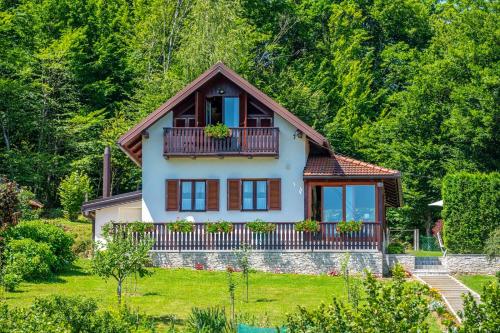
column 270, row 166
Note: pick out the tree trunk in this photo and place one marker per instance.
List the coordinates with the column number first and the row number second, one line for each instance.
column 119, row 292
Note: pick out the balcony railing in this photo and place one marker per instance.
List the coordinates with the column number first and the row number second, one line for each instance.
column 283, row 238
column 249, row 141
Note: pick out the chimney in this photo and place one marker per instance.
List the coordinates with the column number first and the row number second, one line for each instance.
column 106, row 173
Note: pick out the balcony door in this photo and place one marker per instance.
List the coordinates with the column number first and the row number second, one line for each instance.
column 222, row 109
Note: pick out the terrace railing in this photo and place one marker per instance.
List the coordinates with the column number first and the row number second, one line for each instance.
column 283, row 238
column 246, row 141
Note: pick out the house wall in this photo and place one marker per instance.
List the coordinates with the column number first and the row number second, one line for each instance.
column 289, row 167
column 127, row 212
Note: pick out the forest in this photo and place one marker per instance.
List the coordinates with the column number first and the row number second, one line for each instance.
column 411, row 85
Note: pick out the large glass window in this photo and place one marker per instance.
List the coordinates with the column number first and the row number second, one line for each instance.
column 360, row 203
column 254, row 196
column 193, row 195
column 332, row 204
column 231, row 111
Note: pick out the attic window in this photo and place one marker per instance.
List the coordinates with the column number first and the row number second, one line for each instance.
column 222, row 109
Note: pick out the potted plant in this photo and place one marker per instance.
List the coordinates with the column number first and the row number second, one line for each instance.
column 307, row 226
column 180, row 226
column 219, row 131
column 220, row 226
column 349, row 226
column 260, row 231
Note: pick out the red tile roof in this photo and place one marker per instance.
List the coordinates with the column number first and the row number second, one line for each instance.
column 342, row 166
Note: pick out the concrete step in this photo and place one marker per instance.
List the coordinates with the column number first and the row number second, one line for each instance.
column 427, row 261
column 430, row 272
column 429, row 267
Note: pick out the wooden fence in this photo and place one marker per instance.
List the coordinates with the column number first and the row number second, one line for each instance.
column 283, row 238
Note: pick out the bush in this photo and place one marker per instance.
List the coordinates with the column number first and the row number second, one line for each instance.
column 10, row 280
column 209, row 320
column 29, row 259
column 73, row 191
column 396, row 248
column 27, row 213
column 471, row 210
column 492, row 246
column 482, row 317
column 71, row 314
column 396, row 306
column 60, row 243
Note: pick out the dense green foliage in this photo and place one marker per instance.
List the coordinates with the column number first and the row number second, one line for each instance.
column 29, row 259
column 411, row 85
column 9, row 205
column 27, row 212
column 481, row 317
column 397, row 306
column 471, row 211
column 492, row 244
column 73, row 191
column 59, row 242
column 70, row 314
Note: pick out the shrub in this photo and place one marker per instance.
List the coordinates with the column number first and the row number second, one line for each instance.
column 307, row 226
column 219, row 131
column 73, row 191
column 260, row 226
column 396, row 248
column 396, row 306
column 27, row 213
column 180, row 226
column 60, row 243
column 482, row 317
column 10, row 280
column 220, row 226
column 471, row 210
column 71, row 314
column 492, row 245
column 29, row 259
column 209, row 320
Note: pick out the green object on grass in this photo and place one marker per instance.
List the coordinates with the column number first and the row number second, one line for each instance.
column 250, row 329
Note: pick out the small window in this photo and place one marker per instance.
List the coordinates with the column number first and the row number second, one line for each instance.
column 180, row 122
column 193, row 195
column 254, row 195
column 266, row 122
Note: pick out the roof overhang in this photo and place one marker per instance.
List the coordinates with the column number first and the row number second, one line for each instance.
column 114, row 200
column 131, row 140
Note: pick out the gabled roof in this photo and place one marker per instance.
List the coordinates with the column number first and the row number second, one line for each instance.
column 130, row 142
column 342, row 167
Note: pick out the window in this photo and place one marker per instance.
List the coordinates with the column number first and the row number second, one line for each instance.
column 254, row 195
column 231, row 114
column 223, row 110
column 349, row 202
column 332, row 204
column 193, row 195
column 360, row 203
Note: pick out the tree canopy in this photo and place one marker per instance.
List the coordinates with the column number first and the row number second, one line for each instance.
column 408, row 84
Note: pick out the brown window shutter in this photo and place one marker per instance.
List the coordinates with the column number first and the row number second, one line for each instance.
column 172, row 195
column 274, row 193
column 233, row 194
column 213, row 195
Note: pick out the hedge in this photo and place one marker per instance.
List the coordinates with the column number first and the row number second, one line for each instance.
column 471, row 210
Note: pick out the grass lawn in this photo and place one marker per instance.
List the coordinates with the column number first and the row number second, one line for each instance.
column 422, row 253
column 175, row 291
column 476, row 282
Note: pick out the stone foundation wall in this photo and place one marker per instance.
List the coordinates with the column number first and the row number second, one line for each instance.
column 276, row 262
column 471, row 264
column 406, row 260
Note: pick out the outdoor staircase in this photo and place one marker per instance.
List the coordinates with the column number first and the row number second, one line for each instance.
column 431, row 271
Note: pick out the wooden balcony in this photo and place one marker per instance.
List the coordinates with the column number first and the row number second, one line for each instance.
column 283, row 238
column 248, row 141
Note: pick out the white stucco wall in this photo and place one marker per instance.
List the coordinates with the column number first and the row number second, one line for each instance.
column 128, row 212
column 289, row 167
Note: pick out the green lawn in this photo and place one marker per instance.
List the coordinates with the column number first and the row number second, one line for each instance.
column 476, row 282
column 422, row 253
column 176, row 291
